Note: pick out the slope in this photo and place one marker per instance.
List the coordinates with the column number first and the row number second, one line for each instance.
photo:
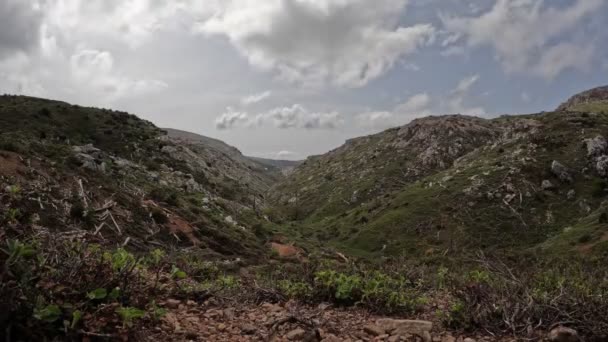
column 119, row 179
column 453, row 185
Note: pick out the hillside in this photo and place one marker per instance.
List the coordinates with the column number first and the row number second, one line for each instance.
column 456, row 184
column 116, row 176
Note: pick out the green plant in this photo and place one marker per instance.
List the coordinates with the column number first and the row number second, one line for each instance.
column 98, row 294
column 12, row 215
column 49, row 313
column 228, row 282
column 177, row 273
column 120, row 260
column 130, row 314
column 76, row 317
column 157, row 312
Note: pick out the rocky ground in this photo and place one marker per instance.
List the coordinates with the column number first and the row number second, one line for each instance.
column 291, row 321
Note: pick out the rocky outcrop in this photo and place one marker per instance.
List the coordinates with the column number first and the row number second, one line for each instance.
column 599, row 94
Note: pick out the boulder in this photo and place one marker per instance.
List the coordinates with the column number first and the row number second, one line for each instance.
column 563, row 334
column 596, row 147
column 561, row 172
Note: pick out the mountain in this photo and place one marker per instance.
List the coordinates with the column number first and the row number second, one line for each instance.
column 453, row 185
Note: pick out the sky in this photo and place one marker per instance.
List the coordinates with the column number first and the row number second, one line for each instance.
column 287, row 79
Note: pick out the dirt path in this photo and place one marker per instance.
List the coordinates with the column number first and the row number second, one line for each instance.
column 290, row 321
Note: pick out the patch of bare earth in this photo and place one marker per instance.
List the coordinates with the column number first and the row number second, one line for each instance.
column 289, row 321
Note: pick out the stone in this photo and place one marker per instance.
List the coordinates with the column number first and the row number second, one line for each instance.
column 296, row 334
column 373, row 330
column 561, row 172
column 221, row 327
column 547, row 185
column 571, row 195
column 229, row 313
column 248, row 329
column 596, row 146
column 405, row 327
column 601, row 165
column 173, row 303
column 468, row 339
column 448, row 338
column 331, row 338
column 563, row 334
column 394, row 338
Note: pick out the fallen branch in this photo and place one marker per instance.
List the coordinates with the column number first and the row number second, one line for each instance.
column 115, row 224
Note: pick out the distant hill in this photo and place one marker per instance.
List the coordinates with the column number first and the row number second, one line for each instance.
column 285, row 166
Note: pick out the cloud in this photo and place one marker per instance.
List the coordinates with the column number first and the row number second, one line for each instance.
column 232, row 119
column 415, row 106
column 415, row 103
column 285, row 154
column 256, row 98
column 297, row 116
column 95, row 70
column 20, row 23
column 294, row 116
column 465, row 84
column 422, row 104
column 564, row 56
column 523, row 33
column 314, row 42
column 455, row 103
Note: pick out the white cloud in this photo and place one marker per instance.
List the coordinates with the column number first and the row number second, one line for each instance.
column 415, row 103
column 314, row 42
column 564, row 56
column 285, row 154
column 232, row 119
column 95, row 70
column 522, row 33
column 465, row 84
column 455, row 104
column 415, row 106
column 256, row 98
column 295, row 116
column 421, row 105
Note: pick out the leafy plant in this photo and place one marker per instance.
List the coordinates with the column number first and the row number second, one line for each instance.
column 177, row 273
column 49, row 314
column 98, row 294
column 130, row 314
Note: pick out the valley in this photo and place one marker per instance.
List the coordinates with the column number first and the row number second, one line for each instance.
column 449, row 228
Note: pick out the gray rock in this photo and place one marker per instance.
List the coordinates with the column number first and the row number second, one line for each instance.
column 571, row 195
column 561, row 172
column 547, row 185
column 91, row 163
column 168, row 149
column 596, row 147
column 601, row 165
